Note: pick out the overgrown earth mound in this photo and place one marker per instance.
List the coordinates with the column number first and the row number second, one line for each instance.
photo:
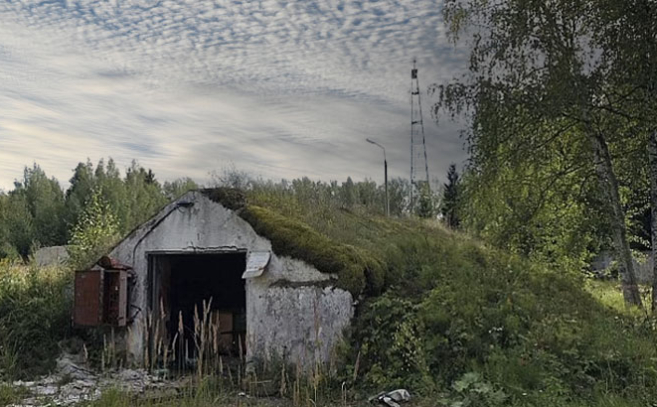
column 457, row 317
column 449, row 318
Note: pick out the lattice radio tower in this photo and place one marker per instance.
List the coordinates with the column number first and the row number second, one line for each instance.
column 419, row 162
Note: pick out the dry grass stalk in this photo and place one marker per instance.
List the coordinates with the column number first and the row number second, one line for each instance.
column 356, row 365
column 230, row 376
column 182, row 343
column 149, row 326
column 296, row 398
column 215, row 342
column 201, row 331
column 283, row 387
column 127, row 342
column 239, row 347
column 102, row 355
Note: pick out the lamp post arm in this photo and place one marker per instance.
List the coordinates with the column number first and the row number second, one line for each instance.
column 385, row 174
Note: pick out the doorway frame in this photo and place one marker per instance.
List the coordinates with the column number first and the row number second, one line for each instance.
column 152, row 300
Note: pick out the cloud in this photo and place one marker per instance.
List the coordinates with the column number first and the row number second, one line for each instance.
column 277, row 88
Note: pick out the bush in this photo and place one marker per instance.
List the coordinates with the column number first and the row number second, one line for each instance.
column 95, row 232
column 35, row 312
column 533, row 334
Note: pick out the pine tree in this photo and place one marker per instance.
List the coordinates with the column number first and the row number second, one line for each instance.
column 449, row 207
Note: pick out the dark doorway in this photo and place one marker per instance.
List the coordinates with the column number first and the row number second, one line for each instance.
column 180, row 283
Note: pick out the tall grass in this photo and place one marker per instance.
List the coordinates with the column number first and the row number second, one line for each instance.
column 303, row 384
column 35, row 314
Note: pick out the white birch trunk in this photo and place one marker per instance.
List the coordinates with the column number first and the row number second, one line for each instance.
column 609, row 184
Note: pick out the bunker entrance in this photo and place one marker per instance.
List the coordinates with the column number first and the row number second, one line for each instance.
column 198, row 306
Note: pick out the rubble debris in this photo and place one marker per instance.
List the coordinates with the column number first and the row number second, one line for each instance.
column 391, row 398
column 72, row 383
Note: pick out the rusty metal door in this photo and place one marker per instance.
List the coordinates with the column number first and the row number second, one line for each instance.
column 88, row 309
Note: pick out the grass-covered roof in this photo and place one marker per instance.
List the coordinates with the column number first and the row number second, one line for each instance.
column 357, row 269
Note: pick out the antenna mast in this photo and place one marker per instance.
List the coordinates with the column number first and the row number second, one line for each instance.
column 418, row 142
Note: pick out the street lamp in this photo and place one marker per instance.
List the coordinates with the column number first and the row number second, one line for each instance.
column 385, row 172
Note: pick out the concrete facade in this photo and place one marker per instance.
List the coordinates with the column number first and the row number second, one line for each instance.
column 292, row 311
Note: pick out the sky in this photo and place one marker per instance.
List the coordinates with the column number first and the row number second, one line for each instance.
column 278, row 89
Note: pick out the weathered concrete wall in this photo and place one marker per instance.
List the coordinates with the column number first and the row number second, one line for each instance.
column 292, row 313
column 51, row 256
column 284, row 321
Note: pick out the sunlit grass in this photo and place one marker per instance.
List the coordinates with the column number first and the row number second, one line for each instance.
column 609, row 294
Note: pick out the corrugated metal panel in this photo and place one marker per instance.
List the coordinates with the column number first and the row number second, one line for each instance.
column 88, row 298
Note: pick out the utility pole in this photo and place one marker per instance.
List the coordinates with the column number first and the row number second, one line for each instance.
column 385, row 173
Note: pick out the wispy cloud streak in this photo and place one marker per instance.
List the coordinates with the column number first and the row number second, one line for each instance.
column 278, row 88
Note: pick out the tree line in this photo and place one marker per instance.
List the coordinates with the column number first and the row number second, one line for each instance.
column 102, row 204
column 38, row 212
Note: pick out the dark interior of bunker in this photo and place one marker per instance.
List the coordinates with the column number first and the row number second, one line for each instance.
column 179, row 283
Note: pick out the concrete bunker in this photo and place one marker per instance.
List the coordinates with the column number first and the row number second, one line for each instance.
column 266, row 302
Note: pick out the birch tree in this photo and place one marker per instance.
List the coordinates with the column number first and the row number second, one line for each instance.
column 627, row 34
column 535, row 63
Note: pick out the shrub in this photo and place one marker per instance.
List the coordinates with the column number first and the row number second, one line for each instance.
column 95, row 232
column 35, row 309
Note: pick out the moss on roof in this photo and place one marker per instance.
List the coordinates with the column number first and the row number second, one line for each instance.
column 231, row 198
column 357, row 270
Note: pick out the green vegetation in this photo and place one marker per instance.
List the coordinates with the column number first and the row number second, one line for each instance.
column 94, row 233
column 35, row 313
column 231, row 198
column 450, row 204
column 452, row 318
column 449, row 317
column 560, row 98
column 209, row 393
column 456, row 320
column 38, row 212
column 455, row 309
column 357, row 270
column 11, row 394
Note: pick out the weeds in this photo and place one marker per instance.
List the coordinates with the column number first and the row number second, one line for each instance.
column 35, row 309
column 11, row 394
